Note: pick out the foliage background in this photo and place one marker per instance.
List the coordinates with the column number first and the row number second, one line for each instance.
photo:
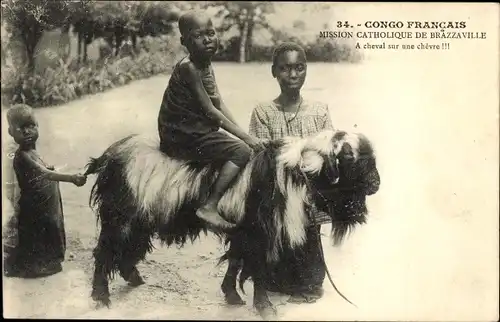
column 57, row 51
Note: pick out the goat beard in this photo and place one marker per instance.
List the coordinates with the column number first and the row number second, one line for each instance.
column 347, row 201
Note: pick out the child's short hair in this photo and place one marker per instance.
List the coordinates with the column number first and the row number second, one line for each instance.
column 287, row 46
column 186, row 20
column 19, row 112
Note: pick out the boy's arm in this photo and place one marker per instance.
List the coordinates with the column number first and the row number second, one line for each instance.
column 225, row 110
column 222, row 106
column 258, row 128
column 49, row 174
column 194, row 81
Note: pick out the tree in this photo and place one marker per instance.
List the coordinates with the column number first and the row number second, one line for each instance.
column 83, row 25
column 155, row 18
column 117, row 21
column 246, row 16
column 28, row 19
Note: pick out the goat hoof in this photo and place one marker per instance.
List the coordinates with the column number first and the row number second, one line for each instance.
column 233, row 298
column 135, row 280
column 101, row 298
column 136, row 283
column 266, row 310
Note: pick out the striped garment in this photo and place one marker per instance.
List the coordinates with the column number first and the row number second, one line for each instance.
column 269, row 122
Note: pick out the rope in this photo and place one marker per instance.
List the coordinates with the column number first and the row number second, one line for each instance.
column 321, row 249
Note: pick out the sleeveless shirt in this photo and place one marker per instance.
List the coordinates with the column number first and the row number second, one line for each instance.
column 181, row 117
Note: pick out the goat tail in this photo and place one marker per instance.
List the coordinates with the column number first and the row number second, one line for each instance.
column 94, row 166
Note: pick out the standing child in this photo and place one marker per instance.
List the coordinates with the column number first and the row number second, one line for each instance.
column 290, row 114
column 40, row 223
column 192, row 112
column 9, row 204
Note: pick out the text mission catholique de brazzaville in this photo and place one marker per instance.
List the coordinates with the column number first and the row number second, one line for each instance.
column 423, row 29
column 403, row 34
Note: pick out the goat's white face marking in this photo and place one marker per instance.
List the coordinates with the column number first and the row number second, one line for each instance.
column 352, row 139
column 336, row 180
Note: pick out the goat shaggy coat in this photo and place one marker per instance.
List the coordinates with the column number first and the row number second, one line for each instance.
column 141, row 192
column 345, row 202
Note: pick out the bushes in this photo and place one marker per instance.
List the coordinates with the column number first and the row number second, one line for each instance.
column 67, row 82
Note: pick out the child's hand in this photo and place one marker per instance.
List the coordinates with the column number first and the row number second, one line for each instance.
column 254, row 143
column 79, row 180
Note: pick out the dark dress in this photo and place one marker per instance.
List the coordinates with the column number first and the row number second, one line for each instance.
column 186, row 132
column 40, row 223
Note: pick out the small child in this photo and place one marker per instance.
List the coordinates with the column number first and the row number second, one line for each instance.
column 289, row 114
column 41, row 242
column 192, row 112
column 9, row 204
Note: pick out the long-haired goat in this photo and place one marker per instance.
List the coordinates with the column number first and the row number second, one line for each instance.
column 345, row 202
column 140, row 192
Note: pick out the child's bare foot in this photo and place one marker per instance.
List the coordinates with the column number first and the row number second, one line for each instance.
column 210, row 214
